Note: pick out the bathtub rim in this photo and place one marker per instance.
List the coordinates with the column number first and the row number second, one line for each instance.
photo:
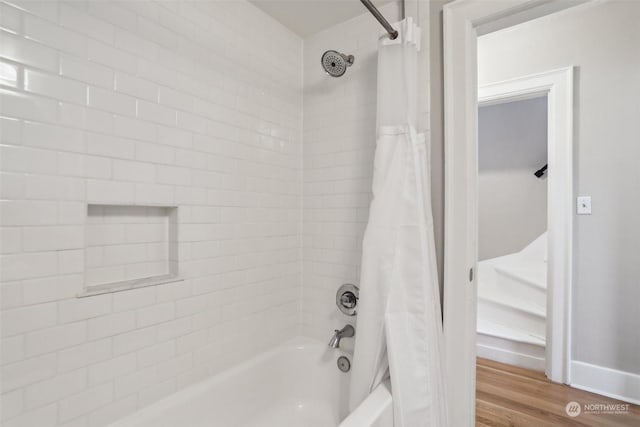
column 371, row 408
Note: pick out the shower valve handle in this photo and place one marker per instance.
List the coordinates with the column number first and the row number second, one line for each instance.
column 348, row 300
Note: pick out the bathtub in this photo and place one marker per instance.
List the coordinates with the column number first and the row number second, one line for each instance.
column 297, row 384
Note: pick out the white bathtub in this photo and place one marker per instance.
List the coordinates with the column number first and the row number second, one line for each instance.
column 295, row 385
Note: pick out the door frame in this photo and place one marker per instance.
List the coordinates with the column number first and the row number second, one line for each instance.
column 464, row 20
column 557, row 85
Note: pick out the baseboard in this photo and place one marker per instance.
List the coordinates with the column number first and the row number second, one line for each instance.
column 608, row 382
column 509, row 357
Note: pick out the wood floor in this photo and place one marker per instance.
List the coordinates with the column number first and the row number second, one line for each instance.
column 511, row 396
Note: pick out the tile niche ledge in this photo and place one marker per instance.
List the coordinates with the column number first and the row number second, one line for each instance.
column 127, row 285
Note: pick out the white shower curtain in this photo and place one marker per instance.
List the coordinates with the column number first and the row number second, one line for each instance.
column 399, row 326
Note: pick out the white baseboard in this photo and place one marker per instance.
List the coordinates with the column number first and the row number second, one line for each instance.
column 608, row 382
column 509, row 357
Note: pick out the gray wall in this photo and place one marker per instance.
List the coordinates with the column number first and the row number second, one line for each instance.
column 602, row 41
column 512, row 202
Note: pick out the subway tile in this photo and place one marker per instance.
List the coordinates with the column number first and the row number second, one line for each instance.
column 76, row 309
column 111, row 324
column 111, row 101
column 173, row 175
column 84, row 355
column 52, row 288
column 156, row 113
column 111, row 57
column 28, row 265
column 154, row 153
column 85, row 71
column 71, row 115
column 134, row 86
column 11, row 238
column 11, row 349
column 28, row 371
column 155, row 354
column 110, row 191
column 25, row 212
column 110, row 146
column 155, row 314
column 70, row 261
column 28, row 106
column 10, row 19
column 70, row 213
column 159, row 34
column 11, row 295
column 54, row 389
column 50, row 34
column 85, row 402
column 113, row 13
column 45, row 416
column 75, row 19
column 55, row 338
column 174, row 137
column 135, row 340
column 13, row 186
column 134, row 298
column 115, row 367
column 11, row 404
column 154, row 194
column 45, row 238
column 99, row 121
column 133, row 171
column 176, row 99
column 56, row 87
column 27, row 160
column 28, row 52
column 42, row 8
column 52, row 137
column 44, row 187
column 174, row 329
column 135, row 129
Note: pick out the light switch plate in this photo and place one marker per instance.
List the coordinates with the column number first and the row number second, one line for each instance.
column 583, row 205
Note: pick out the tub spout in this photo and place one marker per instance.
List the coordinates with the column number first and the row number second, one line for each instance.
column 347, row 331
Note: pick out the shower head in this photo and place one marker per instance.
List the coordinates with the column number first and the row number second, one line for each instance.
column 336, row 63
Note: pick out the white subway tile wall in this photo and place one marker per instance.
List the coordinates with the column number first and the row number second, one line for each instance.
column 162, row 103
column 339, row 143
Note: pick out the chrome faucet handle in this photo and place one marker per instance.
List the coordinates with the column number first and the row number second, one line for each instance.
column 347, row 299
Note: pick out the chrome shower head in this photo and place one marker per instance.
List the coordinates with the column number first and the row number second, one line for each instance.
column 336, row 63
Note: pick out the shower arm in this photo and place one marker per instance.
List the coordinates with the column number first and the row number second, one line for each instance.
column 393, row 34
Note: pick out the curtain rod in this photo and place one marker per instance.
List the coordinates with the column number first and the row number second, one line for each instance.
column 393, row 34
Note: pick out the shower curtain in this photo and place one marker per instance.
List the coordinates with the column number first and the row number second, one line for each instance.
column 399, row 326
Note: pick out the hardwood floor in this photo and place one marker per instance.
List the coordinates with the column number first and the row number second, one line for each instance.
column 511, row 396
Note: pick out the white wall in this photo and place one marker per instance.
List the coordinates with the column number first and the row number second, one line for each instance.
column 602, row 41
column 512, row 202
column 339, row 143
column 192, row 104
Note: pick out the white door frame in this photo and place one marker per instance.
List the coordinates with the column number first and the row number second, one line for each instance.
column 463, row 21
column 558, row 86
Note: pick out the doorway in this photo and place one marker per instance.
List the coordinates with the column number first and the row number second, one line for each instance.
column 512, row 227
column 464, row 22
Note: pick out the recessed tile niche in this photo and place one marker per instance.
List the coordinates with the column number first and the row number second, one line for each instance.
column 129, row 247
